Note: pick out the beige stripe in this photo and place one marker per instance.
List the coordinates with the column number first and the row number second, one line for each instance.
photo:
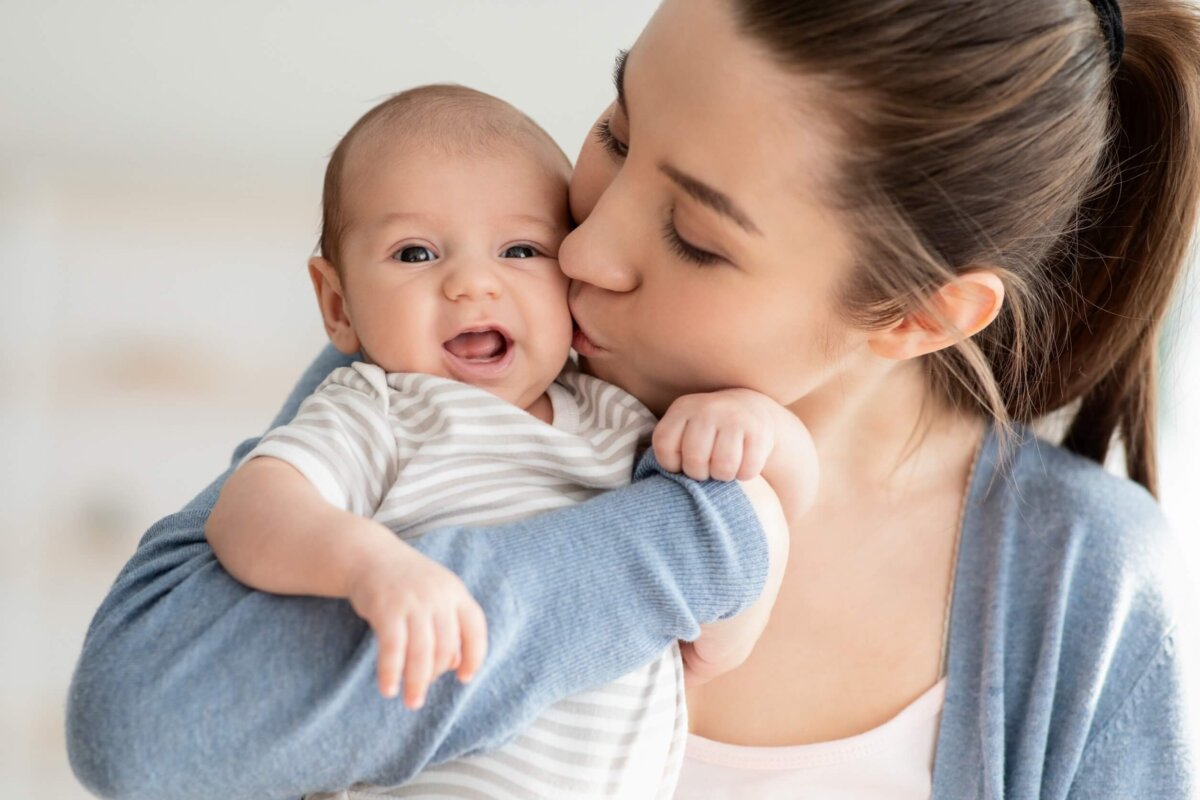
column 474, row 767
column 336, row 423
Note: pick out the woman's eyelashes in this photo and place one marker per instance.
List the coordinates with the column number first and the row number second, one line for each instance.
column 612, row 144
column 684, row 249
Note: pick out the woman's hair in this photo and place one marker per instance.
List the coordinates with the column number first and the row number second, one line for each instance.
column 995, row 134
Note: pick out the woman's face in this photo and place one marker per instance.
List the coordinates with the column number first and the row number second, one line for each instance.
column 706, row 256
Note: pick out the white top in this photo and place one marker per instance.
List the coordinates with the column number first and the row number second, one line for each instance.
column 419, row 452
column 891, row 762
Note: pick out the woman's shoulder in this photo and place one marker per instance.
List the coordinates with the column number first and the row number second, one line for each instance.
column 1051, row 495
column 1070, row 612
column 1077, row 548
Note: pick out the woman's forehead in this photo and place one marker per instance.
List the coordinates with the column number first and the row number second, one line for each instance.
column 713, row 104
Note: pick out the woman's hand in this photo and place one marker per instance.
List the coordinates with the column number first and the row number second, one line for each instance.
column 423, row 616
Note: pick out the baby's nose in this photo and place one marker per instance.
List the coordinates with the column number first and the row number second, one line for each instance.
column 472, row 279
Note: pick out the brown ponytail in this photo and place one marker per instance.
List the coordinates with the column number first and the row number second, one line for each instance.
column 1133, row 249
column 996, row 135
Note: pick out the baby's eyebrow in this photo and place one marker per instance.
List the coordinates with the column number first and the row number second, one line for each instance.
column 547, row 226
column 406, row 216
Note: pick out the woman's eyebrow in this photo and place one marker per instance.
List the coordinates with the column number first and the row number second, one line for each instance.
column 715, row 199
column 697, row 189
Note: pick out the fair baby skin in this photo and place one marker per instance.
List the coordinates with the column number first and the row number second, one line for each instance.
column 707, row 257
column 449, row 268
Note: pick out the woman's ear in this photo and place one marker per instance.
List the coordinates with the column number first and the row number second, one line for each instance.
column 967, row 304
column 332, row 301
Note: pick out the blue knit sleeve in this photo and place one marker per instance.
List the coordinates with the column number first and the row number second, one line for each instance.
column 1148, row 748
column 191, row 685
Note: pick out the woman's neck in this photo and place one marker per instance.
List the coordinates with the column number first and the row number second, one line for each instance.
column 880, row 429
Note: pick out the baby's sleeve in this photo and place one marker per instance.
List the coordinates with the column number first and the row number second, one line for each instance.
column 341, row 439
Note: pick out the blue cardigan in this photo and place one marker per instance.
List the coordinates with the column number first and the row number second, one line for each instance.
column 1064, row 677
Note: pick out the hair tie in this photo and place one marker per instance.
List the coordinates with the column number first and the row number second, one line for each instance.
column 1113, row 27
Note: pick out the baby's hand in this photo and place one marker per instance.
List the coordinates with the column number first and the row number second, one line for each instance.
column 721, row 435
column 742, row 434
column 424, row 617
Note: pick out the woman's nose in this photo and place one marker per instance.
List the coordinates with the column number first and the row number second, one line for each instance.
column 599, row 250
column 472, row 279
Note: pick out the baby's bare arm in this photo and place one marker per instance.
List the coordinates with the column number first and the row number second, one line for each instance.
column 272, row 530
column 791, row 469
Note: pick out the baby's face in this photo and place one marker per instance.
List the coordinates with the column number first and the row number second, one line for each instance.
column 450, row 267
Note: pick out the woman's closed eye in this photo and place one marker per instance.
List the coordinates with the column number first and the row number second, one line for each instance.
column 684, row 249
column 603, row 132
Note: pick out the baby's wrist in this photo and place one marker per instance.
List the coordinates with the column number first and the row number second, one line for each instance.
column 367, row 545
column 791, row 469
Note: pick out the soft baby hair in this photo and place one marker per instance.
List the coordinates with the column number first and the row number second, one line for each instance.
column 453, row 118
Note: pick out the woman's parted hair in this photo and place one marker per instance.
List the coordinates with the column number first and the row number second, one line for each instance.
column 995, row 134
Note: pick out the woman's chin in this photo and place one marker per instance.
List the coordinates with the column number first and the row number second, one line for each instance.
column 654, row 397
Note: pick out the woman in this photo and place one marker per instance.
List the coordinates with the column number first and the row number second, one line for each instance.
column 920, row 225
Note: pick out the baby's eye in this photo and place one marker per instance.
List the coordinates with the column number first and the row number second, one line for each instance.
column 519, row 251
column 414, row 254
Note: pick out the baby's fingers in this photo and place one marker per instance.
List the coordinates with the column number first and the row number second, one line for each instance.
column 474, row 640
column 446, row 647
column 755, row 452
column 667, row 441
column 726, row 455
column 419, row 665
column 393, row 638
column 698, row 439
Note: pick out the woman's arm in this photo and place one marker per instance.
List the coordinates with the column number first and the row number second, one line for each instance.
column 190, row 685
column 1147, row 748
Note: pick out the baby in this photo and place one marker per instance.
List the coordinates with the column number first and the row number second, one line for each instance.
column 443, row 212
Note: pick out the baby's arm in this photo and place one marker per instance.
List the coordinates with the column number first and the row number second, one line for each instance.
column 272, row 530
column 742, row 434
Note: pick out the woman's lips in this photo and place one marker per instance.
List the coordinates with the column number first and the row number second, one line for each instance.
column 583, row 345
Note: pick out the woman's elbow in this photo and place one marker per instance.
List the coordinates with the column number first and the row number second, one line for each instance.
column 107, row 738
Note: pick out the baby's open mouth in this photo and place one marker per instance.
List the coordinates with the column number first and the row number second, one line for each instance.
column 480, row 345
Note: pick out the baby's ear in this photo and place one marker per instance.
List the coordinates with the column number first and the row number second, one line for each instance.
column 959, row 310
column 332, row 301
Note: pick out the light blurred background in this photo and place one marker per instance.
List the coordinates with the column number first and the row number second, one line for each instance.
column 160, row 174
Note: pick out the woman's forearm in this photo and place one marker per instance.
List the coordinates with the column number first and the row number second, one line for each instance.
column 190, row 685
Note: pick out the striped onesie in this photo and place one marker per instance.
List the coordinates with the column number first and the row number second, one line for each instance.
column 419, row 452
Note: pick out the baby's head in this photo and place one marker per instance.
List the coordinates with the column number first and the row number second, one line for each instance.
column 443, row 211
